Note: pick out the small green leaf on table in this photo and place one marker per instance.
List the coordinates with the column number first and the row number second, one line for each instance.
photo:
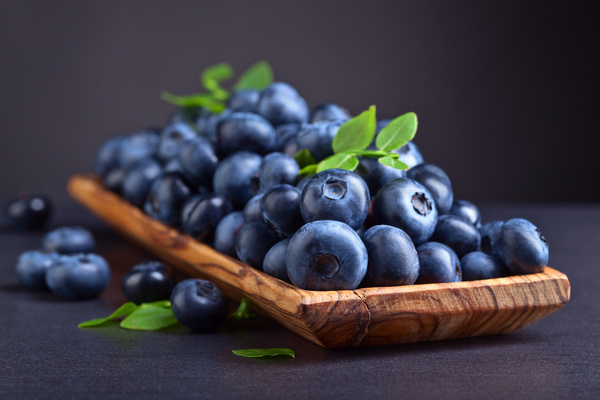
column 149, row 317
column 257, row 77
column 398, row 132
column 243, row 311
column 274, row 352
column 356, row 133
column 120, row 312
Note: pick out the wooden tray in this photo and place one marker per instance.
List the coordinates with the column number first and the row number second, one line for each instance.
column 332, row 319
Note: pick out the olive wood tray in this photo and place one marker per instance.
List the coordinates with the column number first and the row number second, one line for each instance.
column 344, row 318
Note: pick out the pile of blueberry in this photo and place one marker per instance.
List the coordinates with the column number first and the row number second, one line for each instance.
column 230, row 180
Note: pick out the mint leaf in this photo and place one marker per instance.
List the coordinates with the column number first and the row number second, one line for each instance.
column 243, row 311
column 160, row 303
column 255, row 353
column 304, row 158
column 393, row 162
column 373, row 153
column 308, row 170
column 398, row 132
column 257, row 77
column 122, row 311
column 212, row 76
column 356, row 133
column 343, row 161
column 205, row 100
column 149, row 318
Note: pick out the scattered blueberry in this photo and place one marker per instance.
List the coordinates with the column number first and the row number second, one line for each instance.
column 198, row 305
column 79, row 276
column 28, row 211
column 147, row 282
column 31, row 268
column 69, row 240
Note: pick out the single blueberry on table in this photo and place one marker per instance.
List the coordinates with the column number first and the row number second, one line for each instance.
column 138, row 179
column 204, row 217
column 166, row 198
column 326, row 255
column 79, row 276
column 28, row 211
column 336, row 194
column 277, row 168
column 137, row 146
column 107, row 156
column 438, row 264
column 317, row 138
column 280, row 104
column 328, row 112
column 280, row 206
column 456, row 233
column 393, row 259
column 243, row 100
column 227, row 231
column 252, row 243
column 252, row 211
column 31, row 268
column 147, row 282
column 237, row 177
column 489, row 236
column 274, row 262
column 522, row 247
column 408, row 205
column 466, row 210
column 172, row 139
column 478, row 265
column 199, row 305
column 69, row 240
column 245, row 131
column 436, row 181
column 198, row 161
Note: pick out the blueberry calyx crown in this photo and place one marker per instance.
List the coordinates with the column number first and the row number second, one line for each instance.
column 421, row 203
column 542, row 238
column 207, row 290
column 334, row 189
column 325, row 265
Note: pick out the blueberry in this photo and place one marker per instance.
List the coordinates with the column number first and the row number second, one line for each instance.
column 317, row 138
column 243, row 100
column 376, row 174
column 107, row 156
column 336, row 194
column 408, row 205
column 439, row 264
column 393, row 259
column 147, row 282
column 280, row 206
column 226, row 232
column 456, row 233
column 138, row 179
column 78, row 277
column 477, row 265
column 252, row 243
column 286, row 135
column 207, row 125
column 69, row 240
column 280, row 104
column 277, row 168
column 436, row 181
column 205, row 216
column 410, row 154
column 198, row 161
column 172, row 139
column 245, row 131
column 28, row 211
column 198, row 304
column 328, row 112
column 137, row 146
column 466, row 210
column 31, row 268
column 489, row 236
column 166, row 197
column 252, row 211
column 326, row 255
column 522, row 247
column 274, row 262
column 113, row 180
column 236, row 177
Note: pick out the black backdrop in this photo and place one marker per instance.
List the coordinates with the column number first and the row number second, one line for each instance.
column 507, row 93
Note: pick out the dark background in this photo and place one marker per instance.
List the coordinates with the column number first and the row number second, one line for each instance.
column 507, row 93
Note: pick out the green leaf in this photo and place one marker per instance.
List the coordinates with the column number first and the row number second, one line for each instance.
column 149, row 318
column 343, row 161
column 257, row 77
column 212, row 76
column 308, row 170
column 243, row 311
column 304, row 158
column 122, row 311
column 356, row 133
column 393, row 162
column 372, row 153
column 160, row 303
column 398, row 132
column 206, row 100
column 274, row 352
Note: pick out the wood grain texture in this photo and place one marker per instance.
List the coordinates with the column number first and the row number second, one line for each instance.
column 332, row 319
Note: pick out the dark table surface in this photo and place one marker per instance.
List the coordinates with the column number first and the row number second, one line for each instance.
column 43, row 354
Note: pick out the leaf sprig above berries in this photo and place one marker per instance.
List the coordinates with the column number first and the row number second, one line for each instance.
column 215, row 96
column 355, row 136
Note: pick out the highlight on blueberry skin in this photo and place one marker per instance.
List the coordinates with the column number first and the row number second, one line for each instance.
column 252, row 243
column 326, row 255
column 78, row 276
column 274, row 262
column 198, row 304
column 69, row 240
column 31, row 268
column 147, row 282
column 522, row 247
column 438, row 263
column 28, row 211
column 466, row 210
